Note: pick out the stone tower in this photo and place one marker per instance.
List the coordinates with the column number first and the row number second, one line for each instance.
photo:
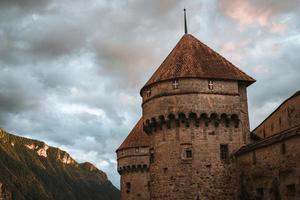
column 195, row 117
column 133, row 164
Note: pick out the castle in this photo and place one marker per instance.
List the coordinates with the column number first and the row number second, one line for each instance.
column 193, row 140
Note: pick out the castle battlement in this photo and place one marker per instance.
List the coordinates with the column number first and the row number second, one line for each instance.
column 133, row 168
column 158, row 123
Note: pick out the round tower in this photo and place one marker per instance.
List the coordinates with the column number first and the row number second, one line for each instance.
column 195, row 112
column 133, row 164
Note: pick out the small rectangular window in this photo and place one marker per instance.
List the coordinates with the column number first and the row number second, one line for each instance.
column 279, row 121
column 128, row 187
column 272, row 127
column 151, row 155
column 224, row 151
column 189, row 153
column 291, row 190
column 260, row 193
column 210, row 85
column 137, row 150
column 254, row 158
column 283, row 148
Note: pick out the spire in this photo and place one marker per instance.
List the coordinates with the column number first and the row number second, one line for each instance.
column 185, row 25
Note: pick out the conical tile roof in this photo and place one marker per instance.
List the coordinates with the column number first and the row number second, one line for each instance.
column 192, row 58
column 136, row 138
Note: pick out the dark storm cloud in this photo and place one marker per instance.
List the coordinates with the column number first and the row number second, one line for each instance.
column 18, row 91
column 70, row 71
column 23, row 3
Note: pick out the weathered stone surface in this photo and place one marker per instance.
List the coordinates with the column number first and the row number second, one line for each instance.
column 205, row 175
column 4, row 193
column 133, row 165
column 272, row 167
column 286, row 116
column 198, row 143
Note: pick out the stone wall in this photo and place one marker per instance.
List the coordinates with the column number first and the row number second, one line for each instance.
column 186, row 160
column 270, row 169
column 174, row 176
column 192, row 95
column 133, row 166
column 244, row 114
column 4, row 193
column 286, row 116
column 133, row 157
column 135, row 186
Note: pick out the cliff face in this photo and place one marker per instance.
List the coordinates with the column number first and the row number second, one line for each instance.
column 32, row 170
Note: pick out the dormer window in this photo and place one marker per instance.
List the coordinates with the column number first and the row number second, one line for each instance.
column 148, row 92
column 210, row 85
column 175, row 84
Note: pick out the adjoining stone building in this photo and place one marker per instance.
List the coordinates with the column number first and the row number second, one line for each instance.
column 285, row 117
column 270, row 167
column 193, row 139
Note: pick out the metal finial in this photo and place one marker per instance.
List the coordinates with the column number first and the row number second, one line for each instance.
column 185, row 25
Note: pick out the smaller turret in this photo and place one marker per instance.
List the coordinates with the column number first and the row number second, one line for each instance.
column 133, row 164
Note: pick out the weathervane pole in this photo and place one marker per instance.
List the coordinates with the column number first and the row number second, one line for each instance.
column 185, row 25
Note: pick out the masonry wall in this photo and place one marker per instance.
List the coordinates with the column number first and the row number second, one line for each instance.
column 244, row 114
column 172, row 174
column 138, row 188
column 271, row 172
column 133, row 166
column 285, row 117
column 164, row 99
column 4, row 193
column 133, row 157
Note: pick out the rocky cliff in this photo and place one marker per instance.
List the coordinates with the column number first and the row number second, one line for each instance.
column 32, row 170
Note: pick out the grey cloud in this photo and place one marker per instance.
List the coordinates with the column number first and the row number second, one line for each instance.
column 64, row 62
column 275, row 7
column 24, row 3
column 19, row 91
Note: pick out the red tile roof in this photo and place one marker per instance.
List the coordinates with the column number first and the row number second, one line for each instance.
column 192, row 58
column 136, row 138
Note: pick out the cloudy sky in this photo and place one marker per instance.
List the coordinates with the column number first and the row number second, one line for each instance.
column 70, row 71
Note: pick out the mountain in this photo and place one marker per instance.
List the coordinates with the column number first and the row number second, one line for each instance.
column 32, row 170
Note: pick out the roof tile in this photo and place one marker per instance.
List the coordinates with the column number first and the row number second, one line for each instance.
column 136, row 138
column 191, row 58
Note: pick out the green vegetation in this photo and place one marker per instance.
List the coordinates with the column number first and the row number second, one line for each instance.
column 31, row 176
